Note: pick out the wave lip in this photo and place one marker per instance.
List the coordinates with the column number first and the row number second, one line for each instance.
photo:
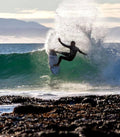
column 19, row 48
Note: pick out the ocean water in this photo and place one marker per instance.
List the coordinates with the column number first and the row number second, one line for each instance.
column 24, row 70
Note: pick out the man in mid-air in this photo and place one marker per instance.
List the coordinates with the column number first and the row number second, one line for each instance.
column 68, row 56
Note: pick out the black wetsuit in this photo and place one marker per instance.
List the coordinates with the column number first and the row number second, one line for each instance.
column 69, row 56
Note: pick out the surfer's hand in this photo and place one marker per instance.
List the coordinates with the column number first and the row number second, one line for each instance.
column 84, row 54
column 59, row 39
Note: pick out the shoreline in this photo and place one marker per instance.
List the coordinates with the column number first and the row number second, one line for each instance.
column 86, row 116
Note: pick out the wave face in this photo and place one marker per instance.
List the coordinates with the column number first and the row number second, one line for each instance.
column 22, row 69
column 32, row 69
column 22, row 66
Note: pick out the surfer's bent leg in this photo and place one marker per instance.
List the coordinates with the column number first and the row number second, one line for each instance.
column 63, row 58
column 63, row 53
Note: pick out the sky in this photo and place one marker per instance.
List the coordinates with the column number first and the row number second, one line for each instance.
column 43, row 11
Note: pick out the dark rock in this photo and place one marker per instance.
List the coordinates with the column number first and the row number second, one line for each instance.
column 94, row 132
column 31, row 109
column 56, row 134
column 20, row 100
column 90, row 116
column 90, row 100
column 69, row 100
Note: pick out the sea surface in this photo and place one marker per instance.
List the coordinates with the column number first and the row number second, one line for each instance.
column 24, row 70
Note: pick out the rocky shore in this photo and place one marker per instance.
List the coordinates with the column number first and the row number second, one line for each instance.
column 84, row 116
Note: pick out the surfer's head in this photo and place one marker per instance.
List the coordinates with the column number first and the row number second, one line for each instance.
column 72, row 43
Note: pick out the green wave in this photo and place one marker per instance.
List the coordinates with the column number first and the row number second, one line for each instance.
column 32, row 69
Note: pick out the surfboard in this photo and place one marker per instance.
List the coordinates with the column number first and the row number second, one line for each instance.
column 53, row 59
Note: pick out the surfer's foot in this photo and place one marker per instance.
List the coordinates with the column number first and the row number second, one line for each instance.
column 56, row 65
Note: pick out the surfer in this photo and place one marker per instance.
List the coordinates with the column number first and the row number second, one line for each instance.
column 68, row 56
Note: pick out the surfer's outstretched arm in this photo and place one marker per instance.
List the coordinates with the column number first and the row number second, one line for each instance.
column 63, row 43
column 82, row 52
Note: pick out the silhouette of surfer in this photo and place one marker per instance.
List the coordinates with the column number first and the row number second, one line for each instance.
column 68, row 56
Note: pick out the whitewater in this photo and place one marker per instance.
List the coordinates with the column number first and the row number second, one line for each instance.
column 24, row 68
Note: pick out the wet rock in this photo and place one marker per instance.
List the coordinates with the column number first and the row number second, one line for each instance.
column 34, row 109
column 90, row 100
column 90, row 116
column 95, row 132
column 20, row 100
column 69, row 100
column 60, row 134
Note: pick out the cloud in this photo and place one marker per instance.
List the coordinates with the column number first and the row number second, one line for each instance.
column 112, row 19
column 14, row 39
column 29, row 14
column 28, row 11
column 107, row 1
column 110, row 10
